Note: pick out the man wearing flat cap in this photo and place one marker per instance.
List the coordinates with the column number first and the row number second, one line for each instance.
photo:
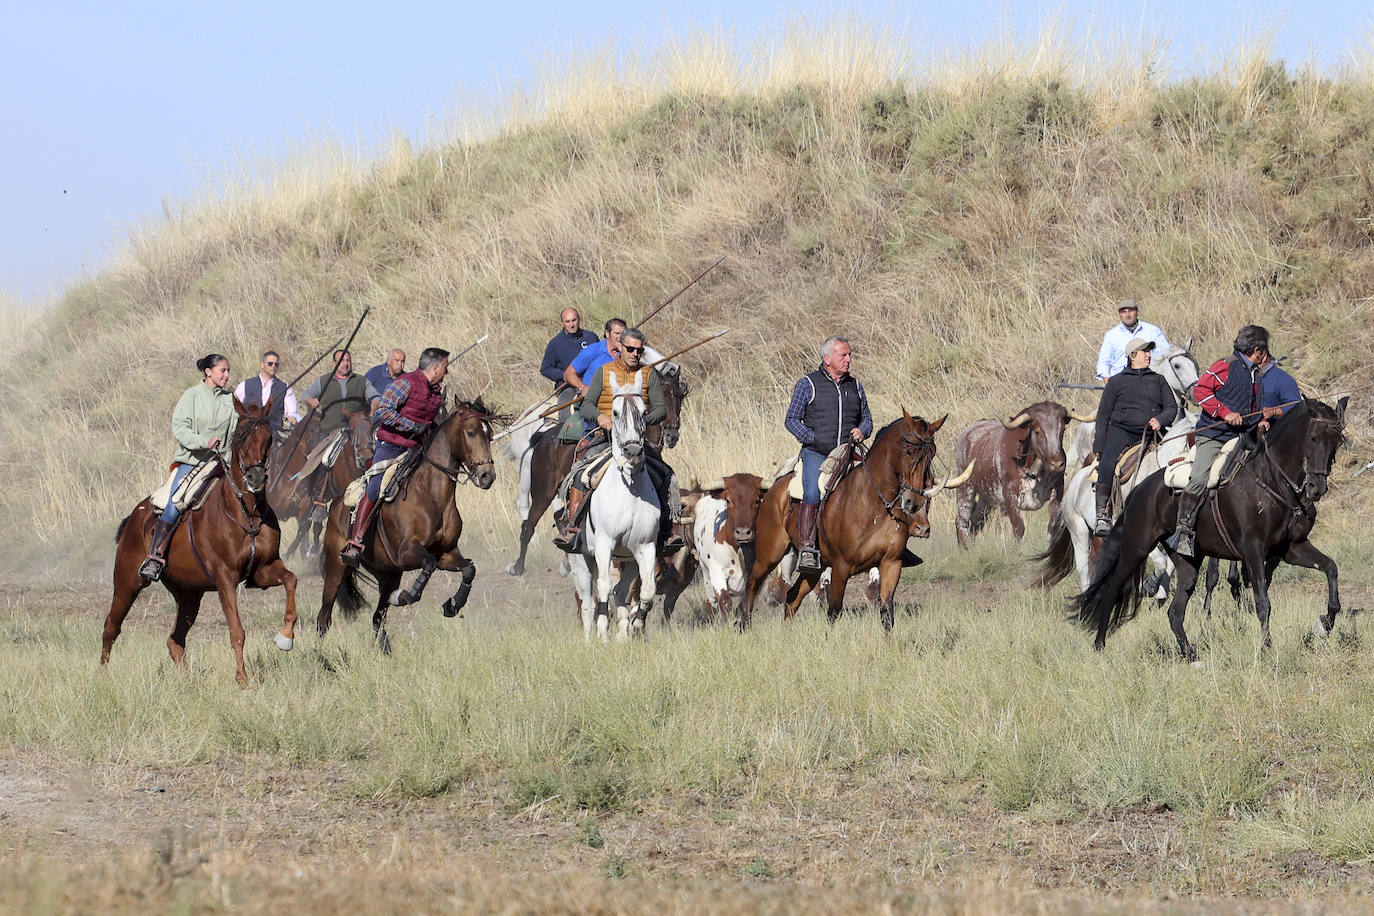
column 1136, row 399
column 1111, row 358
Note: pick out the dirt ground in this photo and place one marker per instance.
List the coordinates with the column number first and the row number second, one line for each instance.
column 246, row 833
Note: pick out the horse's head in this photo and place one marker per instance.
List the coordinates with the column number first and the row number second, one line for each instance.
column 1324, row 434
column 1179, row 368
column 674, row 393
column 251, row 446
column 627, row 432
column 911, row 456
column 361, row 436
column 469, row 430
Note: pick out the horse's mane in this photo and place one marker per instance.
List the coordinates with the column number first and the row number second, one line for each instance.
column 1308, row 409
column 247, row 425
column 897, row 423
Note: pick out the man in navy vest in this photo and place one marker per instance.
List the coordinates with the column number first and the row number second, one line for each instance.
column 264, row 386
column 828, row 408
column 403, row 416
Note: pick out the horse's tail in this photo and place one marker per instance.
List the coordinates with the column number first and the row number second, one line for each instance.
column 1059, row 559
column 350, row 598
column 119, row 532
column 1113, row 596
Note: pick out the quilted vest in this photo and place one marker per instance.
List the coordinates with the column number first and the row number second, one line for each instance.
column 617, row 373
column 332, row 404
column 833, row 410
column 252, row 389
column 420, row 407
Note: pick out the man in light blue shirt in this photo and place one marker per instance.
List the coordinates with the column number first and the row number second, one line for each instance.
column 1111, row 359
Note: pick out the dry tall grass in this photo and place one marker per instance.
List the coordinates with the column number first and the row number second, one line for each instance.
column 969, row 220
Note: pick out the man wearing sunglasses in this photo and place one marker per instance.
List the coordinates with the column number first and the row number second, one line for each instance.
column 258, row 389
column 627, row 369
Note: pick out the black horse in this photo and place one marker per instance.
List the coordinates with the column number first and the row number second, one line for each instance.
column 1263, row 516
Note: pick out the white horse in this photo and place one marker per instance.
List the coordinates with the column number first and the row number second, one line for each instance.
column 1078, row 511
column 1179, row 368
column 622, row 523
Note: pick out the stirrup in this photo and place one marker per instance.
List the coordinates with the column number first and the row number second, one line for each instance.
column 152, row 568
column 809, row 558
column 672, row 544
column 352, row 555
column 566, row 540
column 1102, row 527
column 1185, row 542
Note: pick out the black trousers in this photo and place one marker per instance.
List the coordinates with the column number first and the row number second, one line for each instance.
column 1118, row 440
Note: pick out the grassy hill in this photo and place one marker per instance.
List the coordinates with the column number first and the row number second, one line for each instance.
column 971, row 229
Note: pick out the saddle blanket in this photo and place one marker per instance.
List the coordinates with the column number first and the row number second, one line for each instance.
column 325, row 452
column 829, row 468
column 1177, row 473
column 192, row 491
column 388, row 468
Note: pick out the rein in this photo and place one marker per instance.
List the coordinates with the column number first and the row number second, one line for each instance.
column 891, row 507
column 464, row 467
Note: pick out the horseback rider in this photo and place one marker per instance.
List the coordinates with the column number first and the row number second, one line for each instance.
column 626, row 369
column 589, row 359
column 1133, row 400
column 335, row 395
column 828, row 408
column 203, row 424
column 403, row 416
column 565, row 345
column 1231, row 395
column 1112, row 356
column 383, row 374
column 265, row 388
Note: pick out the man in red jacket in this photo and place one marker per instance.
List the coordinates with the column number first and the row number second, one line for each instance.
column 403, row 416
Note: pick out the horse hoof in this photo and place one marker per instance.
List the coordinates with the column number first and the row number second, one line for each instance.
column 514, row 570
column 285, row 643
column 1198, row 664
column 1319, row 629
column 384, row 643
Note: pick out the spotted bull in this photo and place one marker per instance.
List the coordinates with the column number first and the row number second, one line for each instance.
column 1020, row 467
column 723, row 536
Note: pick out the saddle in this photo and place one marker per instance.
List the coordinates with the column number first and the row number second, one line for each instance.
column 325, row 453
column 1230, row 459
column 834, row 468
column 1128, row 463
column 394, row 473
column 191, row 493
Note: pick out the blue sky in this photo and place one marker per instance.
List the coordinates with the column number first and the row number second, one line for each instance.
column 108, row 109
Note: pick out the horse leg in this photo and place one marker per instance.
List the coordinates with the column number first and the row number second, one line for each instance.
column 1304, row 554
column 798, row 592
column 1254, row 568
column 228, row 599
column 127, row 585
column 188, row 607
column 1186, row 569
column 454, row 561
column 542, row 493
column 386, row 584
column 648, row 588
column 276, row 573
column 771, row 544
column 1210, row 583
column 839, row 579
column 1233, row 582
column 583, row 585
column 412, row 594
column 889, row 574
column 603, row 587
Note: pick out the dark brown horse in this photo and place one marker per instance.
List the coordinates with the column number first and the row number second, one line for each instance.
column 295, row 499
column 233, row 537
column 551, row 460
column 864, row 523
column 420, row 528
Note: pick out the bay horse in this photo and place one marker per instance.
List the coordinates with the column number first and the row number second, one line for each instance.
column 863, row 524
column 550, row 460
column 1265, row 515
column 622, row 522
column 232, row 537
column 420, row 528
column 295, row 498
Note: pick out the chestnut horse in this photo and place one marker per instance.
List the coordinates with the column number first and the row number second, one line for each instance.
column 417, row 530
column 233, row 537
column 863, row 524
column 295, row 499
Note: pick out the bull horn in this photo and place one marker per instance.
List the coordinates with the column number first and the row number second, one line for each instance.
column 949, row 484
column 1017, row 421
column 717, row 484
column 692, row 483
column 1090, row 418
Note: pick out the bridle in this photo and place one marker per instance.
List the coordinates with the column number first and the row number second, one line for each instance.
column 1299, row 490
column 254, row 515
column 905, row 494
column 465, row 469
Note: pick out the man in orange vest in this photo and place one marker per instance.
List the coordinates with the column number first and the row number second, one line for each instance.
column 624, row 371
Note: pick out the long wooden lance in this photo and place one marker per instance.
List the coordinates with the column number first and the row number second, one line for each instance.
column 577, row 400
column 461, row 353
column 336, row 349
column 640, row 322
column 303, row 374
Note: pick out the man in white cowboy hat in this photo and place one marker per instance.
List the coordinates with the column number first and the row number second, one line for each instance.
column 1111, row 358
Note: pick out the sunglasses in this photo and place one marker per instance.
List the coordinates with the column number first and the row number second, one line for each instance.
column 270, row 364
column 634, row 349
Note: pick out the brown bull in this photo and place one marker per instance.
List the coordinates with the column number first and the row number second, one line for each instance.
column 723, row 544
column 1020, row 467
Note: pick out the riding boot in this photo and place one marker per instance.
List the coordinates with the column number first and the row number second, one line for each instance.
column 157, row 550
column 1188, row 505
column 1104, row 515
column 809, row 558
column 352, row 554
column 319, row 514
column 669, row 538
column 566, row 539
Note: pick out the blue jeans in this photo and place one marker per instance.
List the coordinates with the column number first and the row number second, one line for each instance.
column 811, row 476
column 384, row 451
column 171, row 514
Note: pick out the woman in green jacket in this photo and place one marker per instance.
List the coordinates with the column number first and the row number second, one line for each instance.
column 203, row 424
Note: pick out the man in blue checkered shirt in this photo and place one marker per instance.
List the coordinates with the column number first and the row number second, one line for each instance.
column 828, row 408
